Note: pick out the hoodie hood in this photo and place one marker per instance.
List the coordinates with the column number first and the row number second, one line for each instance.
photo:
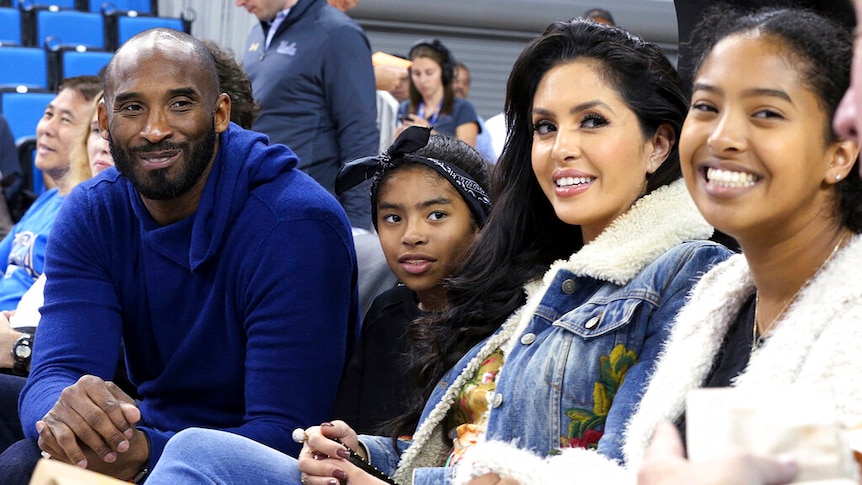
column 244, row 161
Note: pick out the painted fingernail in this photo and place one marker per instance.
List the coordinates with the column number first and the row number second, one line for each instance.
column 343, row 453
column 123, row 446
column 339, row 474
column 327, row 424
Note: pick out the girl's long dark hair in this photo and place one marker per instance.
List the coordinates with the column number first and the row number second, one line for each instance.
column 523, row 235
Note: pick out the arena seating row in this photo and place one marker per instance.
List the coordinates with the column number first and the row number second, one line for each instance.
column 43, row 42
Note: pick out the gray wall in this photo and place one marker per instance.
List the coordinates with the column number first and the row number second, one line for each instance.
column 486, row 35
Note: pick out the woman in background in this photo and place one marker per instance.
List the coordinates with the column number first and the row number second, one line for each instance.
column 432, row 100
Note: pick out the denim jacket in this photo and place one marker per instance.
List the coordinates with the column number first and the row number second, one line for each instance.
column 579, row 352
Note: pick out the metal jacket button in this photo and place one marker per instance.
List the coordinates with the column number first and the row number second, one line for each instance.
column 528, row 338
column 569, row 286
column 592, row 322
column 497, row 400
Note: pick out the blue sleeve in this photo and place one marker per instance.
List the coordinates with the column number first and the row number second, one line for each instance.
column 381, row 452
column 80, row 330
column 691, row 261
column 351, row 95
column 465, row 113
column 22, row 251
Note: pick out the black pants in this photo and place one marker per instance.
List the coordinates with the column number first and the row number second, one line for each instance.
column 20, row 456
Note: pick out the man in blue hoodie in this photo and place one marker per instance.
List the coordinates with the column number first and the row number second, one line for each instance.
column 228, row 274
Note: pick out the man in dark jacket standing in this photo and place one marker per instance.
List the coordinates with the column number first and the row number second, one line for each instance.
column 310, row 67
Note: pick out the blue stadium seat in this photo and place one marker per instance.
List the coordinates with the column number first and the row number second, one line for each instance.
column 128, row 26
column 33, row 179
column 47, row 3
column 141, row 6
column 10, row 26
column 67, row 61
column 70, row 27
column 24, row 110
column 76, row 62
column 30, row 67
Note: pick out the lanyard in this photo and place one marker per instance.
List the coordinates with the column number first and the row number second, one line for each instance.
column 433, row 118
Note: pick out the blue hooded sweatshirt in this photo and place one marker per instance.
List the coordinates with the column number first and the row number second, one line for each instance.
column 237, row 317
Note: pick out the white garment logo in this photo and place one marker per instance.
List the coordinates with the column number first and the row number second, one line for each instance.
column 286, row 48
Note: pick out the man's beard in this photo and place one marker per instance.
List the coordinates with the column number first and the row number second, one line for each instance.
column 159, row 184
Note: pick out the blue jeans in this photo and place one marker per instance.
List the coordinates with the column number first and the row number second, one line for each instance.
column 203, row 456
column 10, row 425
column 18, row 462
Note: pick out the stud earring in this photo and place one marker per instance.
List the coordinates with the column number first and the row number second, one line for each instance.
column 838, row 176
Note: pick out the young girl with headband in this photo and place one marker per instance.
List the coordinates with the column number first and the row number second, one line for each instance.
column 429, row 198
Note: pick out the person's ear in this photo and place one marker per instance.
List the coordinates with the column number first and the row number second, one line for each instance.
column 221, row 117
column 662, row 143
column 842, row 158
column 102, row 111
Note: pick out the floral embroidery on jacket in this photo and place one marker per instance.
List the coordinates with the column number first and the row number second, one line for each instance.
column 586, row 425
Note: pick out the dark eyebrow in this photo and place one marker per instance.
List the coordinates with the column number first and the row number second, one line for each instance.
column 748, row 93
column 189, row 92
column 69, row 113
column 775, row 93
column 427, row 203
column 705, row 87
column 437, row 201
column 578, row 108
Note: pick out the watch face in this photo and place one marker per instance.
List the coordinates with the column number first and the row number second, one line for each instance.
column 22, row 351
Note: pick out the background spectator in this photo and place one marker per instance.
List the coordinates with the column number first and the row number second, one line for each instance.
column 432, row 100
column 461, row 87
column 310, row 68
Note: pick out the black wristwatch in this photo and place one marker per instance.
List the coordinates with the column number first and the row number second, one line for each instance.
column 22, row 350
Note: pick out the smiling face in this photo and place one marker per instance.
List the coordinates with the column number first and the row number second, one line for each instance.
column 425, row 227
column 589, row 154
column 162, row 113
column 753, row 148
column 59, row 129
column 427, row 77
column 98, row 149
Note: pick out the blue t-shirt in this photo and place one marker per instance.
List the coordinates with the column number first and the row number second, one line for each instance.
column 22, row 251
column 462, row 112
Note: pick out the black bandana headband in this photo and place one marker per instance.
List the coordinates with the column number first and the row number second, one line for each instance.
column 411, row 139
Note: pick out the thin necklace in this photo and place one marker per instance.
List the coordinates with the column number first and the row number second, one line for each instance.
column 756, row 337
